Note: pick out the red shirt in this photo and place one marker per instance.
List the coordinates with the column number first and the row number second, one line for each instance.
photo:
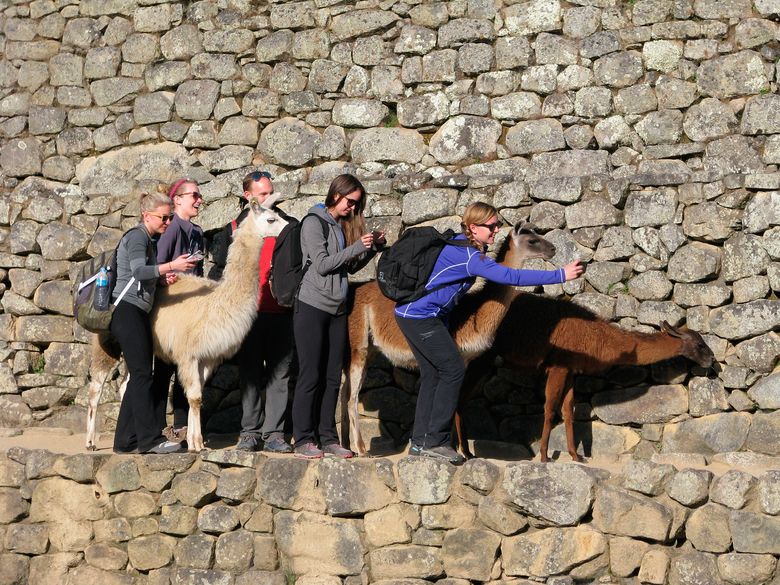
column 266, row 303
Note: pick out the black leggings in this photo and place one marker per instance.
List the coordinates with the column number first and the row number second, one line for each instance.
column 441, row 376
column 142, row 412
column 320, row 339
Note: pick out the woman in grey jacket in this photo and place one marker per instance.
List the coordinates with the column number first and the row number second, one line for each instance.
column 333, row 243
column 142, row 414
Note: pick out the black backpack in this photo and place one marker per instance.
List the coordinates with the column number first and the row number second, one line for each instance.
column 406, row 266
column 89, row 317
column 287, row 266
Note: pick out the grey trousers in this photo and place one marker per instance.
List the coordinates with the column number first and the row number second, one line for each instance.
column 266, row 356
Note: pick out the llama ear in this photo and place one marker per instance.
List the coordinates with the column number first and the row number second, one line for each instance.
column 271, row 201
column 669, row 330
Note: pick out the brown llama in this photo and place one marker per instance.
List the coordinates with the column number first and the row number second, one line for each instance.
column 474, row 323
column 196, row 322
column 564, row 340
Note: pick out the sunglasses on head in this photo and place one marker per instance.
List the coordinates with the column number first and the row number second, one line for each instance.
column 163, row 218
column 492, row 226
column 257, row 175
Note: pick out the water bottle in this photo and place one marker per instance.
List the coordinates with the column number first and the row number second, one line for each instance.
column 101, row 300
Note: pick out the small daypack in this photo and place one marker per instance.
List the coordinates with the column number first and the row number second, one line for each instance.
column 86, row 314
column 405, row 267
column 287, row 265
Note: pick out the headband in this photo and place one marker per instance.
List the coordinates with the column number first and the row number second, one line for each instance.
column 176, row 185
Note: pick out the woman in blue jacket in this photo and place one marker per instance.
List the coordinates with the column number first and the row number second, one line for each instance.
column 424, row 324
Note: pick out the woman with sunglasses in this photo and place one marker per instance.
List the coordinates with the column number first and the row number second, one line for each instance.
column 424, row 325
column 181, row 238
column 333, row 242
column 142, row 412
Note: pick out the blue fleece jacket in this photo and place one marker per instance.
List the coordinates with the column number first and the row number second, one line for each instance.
column 458, row 267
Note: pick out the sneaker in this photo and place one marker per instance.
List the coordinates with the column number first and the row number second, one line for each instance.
column 444, row 452
column 126, row 451
column 175, row 435
column 336, row 450
column 308, row 451
column 415, row 449
column 166, row 447
column 247, row 443
column 277, row 445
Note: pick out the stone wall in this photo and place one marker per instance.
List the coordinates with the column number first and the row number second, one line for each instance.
column 641, row 136
column 234, row 518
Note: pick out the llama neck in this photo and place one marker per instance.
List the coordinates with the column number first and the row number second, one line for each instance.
column 493, row 302
column 239, row 286
column 654, row 347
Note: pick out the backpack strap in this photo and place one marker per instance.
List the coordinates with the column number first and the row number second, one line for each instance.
column 325, row 229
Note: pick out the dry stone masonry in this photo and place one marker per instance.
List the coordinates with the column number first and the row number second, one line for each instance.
column 641, row 136
column 235, row 518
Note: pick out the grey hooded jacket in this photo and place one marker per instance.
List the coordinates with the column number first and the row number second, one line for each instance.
column 325, row 284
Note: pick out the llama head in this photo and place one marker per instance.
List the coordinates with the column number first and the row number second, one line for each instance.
column 524, row 239
column 268, row 222
column 693, row 345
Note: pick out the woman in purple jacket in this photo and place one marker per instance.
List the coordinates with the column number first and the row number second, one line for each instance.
column 424, row 324
column 181, row 237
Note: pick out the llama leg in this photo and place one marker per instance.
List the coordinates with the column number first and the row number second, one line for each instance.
column 355, row 376
column 553, row 391
column 102, row 365
column 567, row 411
column 192, row 378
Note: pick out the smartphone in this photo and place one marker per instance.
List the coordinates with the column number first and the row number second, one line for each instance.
column 197, row 256
column 379, row 239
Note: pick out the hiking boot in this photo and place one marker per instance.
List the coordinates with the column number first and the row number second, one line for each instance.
column 277, row 445
column 166, row 447
column 336, row 450
column 247, row 443
column 443, row 452
column 308, row 451
column 175, row 435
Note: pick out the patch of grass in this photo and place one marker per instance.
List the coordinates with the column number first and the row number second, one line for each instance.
column 391, row 120
column 39, row 364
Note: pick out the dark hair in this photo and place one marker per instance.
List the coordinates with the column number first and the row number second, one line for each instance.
column 353, row 226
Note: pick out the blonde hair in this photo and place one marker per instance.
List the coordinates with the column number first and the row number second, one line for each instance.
column 478, row 213
column 151, row 201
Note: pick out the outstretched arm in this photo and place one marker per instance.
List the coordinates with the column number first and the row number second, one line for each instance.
column 480, row 265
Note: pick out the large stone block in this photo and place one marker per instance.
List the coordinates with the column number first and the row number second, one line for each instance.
column 745, row 320
column 405, row 561
column 755, row 533
column 387, row 144
column 708, row 528
column 617, row 511
column 355, row 487
column 319, row 544
column 469, row 553
column 539, row 489
column 551, row 551
column 716, row 433
column 424, row 481
column 732, row 75
column 465, row 137
column 290, row 484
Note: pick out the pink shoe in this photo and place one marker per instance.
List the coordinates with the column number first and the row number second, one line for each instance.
column 336, row 450
column 308, row 451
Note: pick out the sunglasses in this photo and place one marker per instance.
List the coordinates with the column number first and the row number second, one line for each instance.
column 195, row 194
column 493, row 227
column 163, row 218
column 257, row 175
column 351, row 202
